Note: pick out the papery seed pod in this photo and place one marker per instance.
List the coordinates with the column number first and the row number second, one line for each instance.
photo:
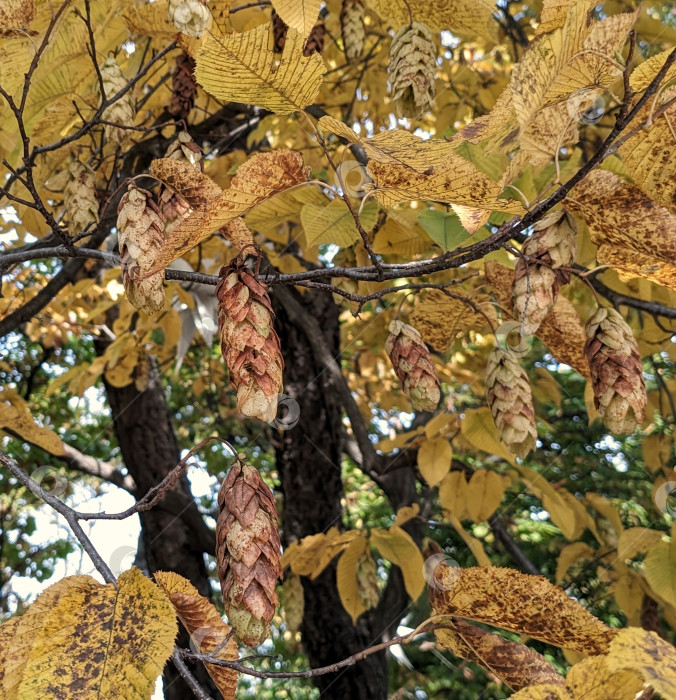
column 249, row 343
column 511, row 402
column 279, row 30
column 183, row 147
column 413, row 365
column 616, row 370
column 352, row 29
column 79, row 197
column 122, row 110
column 183, row 86
column 141, row 236
column 315, row 42
column 248, row 553
column 554, row 240
column 293, row 601
column 189, row 16
column 367, row 581
column 413, row 57
column 534, row 293
column 173, row 206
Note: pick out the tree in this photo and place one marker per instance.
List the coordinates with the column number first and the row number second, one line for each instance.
column 399, row 276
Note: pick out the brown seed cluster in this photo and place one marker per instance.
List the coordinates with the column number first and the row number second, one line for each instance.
column 248, row 553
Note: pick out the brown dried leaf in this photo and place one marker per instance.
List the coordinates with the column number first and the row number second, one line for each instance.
column 624, row 221
column 561, row 331
column 519, row 603
column 205, row 626
column 262, row 176
column 515, row 664
column 194, row 186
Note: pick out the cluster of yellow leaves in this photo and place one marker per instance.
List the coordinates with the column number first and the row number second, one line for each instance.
column 311, row 555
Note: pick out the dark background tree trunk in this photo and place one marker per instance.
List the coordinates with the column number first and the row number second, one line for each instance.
column 309, row 464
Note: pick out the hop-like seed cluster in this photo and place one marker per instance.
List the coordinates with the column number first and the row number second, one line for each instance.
column 141, row 236
column 414, row 367
column 190, row 16
column 122, row 110
column 293, row 600
column 183, row 86
column 249, row 343
column 511, row 402
column 173, row 206
column 617, row 374
column 79, row 195
column 248, row 553
column 352, row 29
column 536, row 281
column 412, row 68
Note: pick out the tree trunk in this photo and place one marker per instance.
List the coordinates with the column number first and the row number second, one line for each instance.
column 309, row 464
column 174, row 534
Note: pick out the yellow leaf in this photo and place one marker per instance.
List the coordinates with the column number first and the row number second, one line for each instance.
column 398, row 546
column 453, row 494
column 262, row 176
column 406, row 513
column 656, row 451
column 465, row 18
column 660, row 571
column 593, row 679
column 648, row 154
column 514, row 663
column 636, row 540
column 647, row 654
column 644, row 73
column 207, row 630
column 628, row 593
column 563, row 514
column 473, row 543
column 406, row 167
column 434, row 459
column 545, row 691
column 484, row 494
column 569, row 555
column 346, row 577
column 242, row 68
column 606, row 509
column 299, row 14
column 329, row 224
column 478, row 428
column 130, row 633
column 15, row 417
column 634, row 234
column 335, row 126
column 519, row 603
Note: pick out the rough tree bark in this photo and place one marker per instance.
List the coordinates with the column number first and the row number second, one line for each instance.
column 308, row 461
